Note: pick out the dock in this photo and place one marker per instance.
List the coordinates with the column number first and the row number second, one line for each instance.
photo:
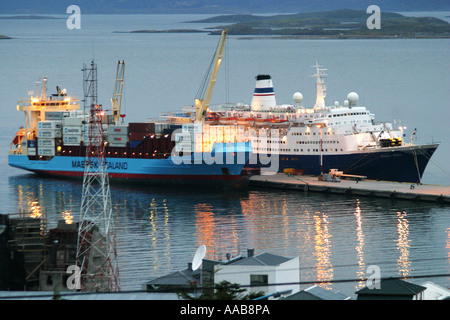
column 358, row 187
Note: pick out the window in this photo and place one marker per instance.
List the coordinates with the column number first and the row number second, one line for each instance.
column 259, row 279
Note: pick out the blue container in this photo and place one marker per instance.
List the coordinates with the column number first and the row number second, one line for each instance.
column 134, row 143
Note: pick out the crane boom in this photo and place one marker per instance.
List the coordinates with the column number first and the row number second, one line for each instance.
column 202, row 103
column 116, row 100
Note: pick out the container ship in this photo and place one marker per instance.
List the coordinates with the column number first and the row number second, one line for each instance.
column 56, row 134
column 53, row 142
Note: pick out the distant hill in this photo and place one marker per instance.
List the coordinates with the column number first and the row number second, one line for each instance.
column 343, row 23
column 213, row 6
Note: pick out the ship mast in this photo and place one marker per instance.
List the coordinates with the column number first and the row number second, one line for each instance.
column 320, row 86
column 204, row 95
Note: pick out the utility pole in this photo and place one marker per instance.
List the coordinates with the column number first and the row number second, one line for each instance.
column 96, row 249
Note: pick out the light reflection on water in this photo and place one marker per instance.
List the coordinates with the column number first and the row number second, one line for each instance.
column 336, row 237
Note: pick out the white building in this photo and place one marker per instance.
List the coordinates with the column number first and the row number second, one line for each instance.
column 262, row 272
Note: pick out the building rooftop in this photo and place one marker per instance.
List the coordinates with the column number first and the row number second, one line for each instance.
column 317, row 293
column 262, row 259
column 391, row 287
column 177, row 278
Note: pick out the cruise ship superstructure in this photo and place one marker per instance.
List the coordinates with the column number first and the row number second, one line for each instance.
column 344, row 138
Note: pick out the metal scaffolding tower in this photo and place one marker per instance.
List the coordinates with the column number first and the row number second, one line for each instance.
column 96, row 249
column 89, row 85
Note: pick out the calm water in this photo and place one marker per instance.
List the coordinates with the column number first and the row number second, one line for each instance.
column 336, row 237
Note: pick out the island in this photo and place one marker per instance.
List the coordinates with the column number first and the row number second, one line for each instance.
column 343, row 23
column 4, row 37
column 163, row 31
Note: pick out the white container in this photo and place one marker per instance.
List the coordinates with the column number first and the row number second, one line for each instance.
column 184, row 147
column 31, row 151
column 72, row 140
column 85, row 128
column 73, row 130
column 72, row 121
column 118, row 139
column 46, row 143
column 120, row 145
column 49, row 134
column 44, row 151
column 118, row 130
column 49, row 125
column 94, row 142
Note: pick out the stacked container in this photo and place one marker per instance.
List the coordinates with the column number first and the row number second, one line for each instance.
column 72, row 131
column 139, row 131
column 117, row 136
column 47, row 131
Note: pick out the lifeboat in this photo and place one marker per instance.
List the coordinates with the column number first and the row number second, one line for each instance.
column 212, row 119
column 248, row 122
column 279, row 123
column 227, row 120
column 263, row 122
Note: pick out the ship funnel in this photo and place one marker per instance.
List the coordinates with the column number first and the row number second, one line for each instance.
column 264, row 95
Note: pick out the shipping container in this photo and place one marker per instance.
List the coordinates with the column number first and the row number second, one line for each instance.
column 72, row 121
column 118, row 130
column 45, row 151
column 73, row 130
column 49, row 125
column 135, row 143
column 49, row 134
column 137, row 135
column 56, row 115
column 72, row 140
column 118, row 144
column 108, row 119
column 46, row 142
column 104, row 128
column 117, row 138
column 184, row 147
column 148, row 127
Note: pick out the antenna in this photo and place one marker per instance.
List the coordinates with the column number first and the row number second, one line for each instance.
column 198, row 257
column 320, row 85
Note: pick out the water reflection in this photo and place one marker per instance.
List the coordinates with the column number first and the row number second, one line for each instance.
column 336, row 237
column 361, row 270
column 322, row 252
column 404, row 264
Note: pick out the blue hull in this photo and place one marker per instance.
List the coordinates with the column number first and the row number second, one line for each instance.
column 221, row 167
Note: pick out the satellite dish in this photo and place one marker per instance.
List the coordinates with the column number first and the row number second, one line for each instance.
column 198, row 257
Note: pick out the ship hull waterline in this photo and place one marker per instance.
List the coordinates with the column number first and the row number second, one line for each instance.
column 399, row 164
column 143, row 171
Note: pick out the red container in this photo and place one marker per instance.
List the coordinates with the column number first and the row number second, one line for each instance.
column 137, row 136
column 148, row 127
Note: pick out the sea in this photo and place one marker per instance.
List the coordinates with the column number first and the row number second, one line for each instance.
column 336, row 237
